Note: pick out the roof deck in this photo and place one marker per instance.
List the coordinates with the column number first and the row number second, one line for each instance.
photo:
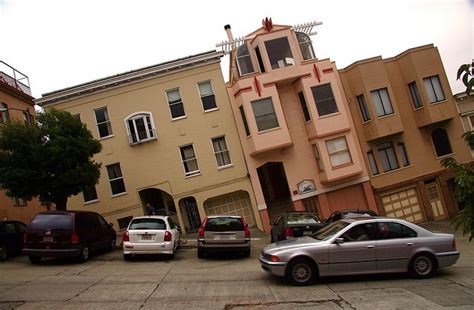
column 14, row 78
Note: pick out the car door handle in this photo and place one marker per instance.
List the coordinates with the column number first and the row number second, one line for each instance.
column 370, row 246
column 410, row 243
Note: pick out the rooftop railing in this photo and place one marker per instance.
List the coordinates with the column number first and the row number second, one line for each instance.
column 14, row 78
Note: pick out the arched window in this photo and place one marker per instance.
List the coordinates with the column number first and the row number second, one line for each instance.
column 305, row 45
column 244, row 62
column 441, row 143
column 140, row 128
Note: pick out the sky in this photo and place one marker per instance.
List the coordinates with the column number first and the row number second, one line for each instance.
column 62, row 43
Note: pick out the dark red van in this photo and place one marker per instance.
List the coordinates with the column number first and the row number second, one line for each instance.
column 67, row 234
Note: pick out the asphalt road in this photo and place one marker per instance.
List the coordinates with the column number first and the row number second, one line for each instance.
column 225, row 282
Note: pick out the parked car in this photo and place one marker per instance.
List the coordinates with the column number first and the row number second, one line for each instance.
column 360, row 246
column 223, row 233
column 349, row 213
column 11, row 238
column 150, row 235
column 67, row 234
column 295, row 224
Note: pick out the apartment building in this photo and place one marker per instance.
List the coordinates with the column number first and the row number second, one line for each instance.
column 465, row 106
column 406, row 121
column 16, row 103
column 168, row 138
column 294, row 124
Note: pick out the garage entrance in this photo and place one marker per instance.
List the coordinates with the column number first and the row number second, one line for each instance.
column 236, row 203
column 404, row 205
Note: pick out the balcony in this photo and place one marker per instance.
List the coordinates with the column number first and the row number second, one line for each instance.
column 14, row 78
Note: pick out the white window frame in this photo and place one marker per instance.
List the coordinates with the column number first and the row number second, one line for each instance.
column 107, row 121
column 92, row 200
column 115, row 179
column 238, row 57
column 383, row 105
column 207, row 95
column 175, row 103
column 183, row 160
column 308, row 43
column 256, row 102
column 338, row 152
column 222, row 152
column 19, row 202
column 150, row 132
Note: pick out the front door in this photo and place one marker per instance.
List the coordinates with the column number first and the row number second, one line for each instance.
column 192, row 213
column 436, row 201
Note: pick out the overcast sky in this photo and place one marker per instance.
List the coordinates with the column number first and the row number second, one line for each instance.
column 62, row 43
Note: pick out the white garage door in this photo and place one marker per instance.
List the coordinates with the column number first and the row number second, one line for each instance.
column 404, row 205
column 237, row 203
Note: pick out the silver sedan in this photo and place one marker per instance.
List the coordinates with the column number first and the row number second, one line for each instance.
column 360, row 246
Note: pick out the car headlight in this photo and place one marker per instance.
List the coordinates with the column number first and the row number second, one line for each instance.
column 274, row 258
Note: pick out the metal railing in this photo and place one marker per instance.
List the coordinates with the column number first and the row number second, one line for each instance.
column 14, row 78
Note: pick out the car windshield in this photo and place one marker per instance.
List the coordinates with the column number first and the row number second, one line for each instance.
column 148, row 223
column 224, row 224
column 329, row 231
column 52, row 221
column 302, row 219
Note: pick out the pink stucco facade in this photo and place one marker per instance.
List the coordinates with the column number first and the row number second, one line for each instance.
column 297, row 126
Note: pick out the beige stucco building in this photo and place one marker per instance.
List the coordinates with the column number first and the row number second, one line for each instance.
column 465, row 106
column 168, row 138
column 295, row 125
column 16, row 103
column 407, row 122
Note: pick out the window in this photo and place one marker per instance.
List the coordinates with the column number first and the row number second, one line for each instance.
column 175, row 103
column 207, row 96
column 441, row 143
column 27, row 118
column 415, row 95
column 264, row 114
column 116, row 179
column 387, row 156
column 388, row 230
column 103, row 122
column 306, row 47
column 124, row 221
column 244, row 119
column 318, row 158
column 89, row 193
column 471, row 121
column 244, row 62
column 324, row 98
column 433, row 89
column 188, row 157
column 19, row 202
column 279, row 53
column 363, row 108
column 403, row 153
column 338, row 151
column 221, row 152
column 361, row 232
column 4, row 115
column 304, row 107
column 260, row 60
column 140, row 128
column 373, row 163
column 381, row 102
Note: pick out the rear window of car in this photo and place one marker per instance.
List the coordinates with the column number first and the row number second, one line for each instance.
column 52, row 221
column 224, row 224
column 144, row 224
column 302, row 219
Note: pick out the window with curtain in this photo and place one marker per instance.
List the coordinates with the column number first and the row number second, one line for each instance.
column 221, row 151
column 244, row 62
column 387, row 156
column 189, row 160
column 433, row 88
column 415, row 95
column 103, row 122
column 363, row 108
column 264, row 114
column 90, row 194
column 381, row 102
column 440, row 139
column 306, row 47
column 175, row 103
column 324, row 98
column 207, row 96
column 140, row 128
column 117, row 184
column 338, row 151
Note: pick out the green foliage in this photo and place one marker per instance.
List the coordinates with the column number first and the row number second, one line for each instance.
column 467, row 80
column 52, row 160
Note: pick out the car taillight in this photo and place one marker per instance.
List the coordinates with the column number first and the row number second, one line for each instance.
column 125, row 236
column 25, row 237
column 74, row 238
column 289, row 232
column 201, row 232
column 168, row 236
column 247, row 231
column 454, row 244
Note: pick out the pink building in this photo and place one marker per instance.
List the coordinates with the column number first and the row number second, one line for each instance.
column 295, row 125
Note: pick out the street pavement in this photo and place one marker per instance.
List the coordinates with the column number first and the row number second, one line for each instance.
column 223, row 282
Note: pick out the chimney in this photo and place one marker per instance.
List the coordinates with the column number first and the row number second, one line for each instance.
column 229, row 33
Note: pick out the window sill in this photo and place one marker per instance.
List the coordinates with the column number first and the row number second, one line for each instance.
column 120, row 194
column 178, row 118
column 211, row 110
column 419, row 108
column 367, row 122
column 391, row 171
column 445, row 156
column 143, row 141
column 192, row 175
column 225, row 167
column 106, row 137
column 386, row 115
column 90, row 202
column 329, row 115
column 268, row 130
column 342, row 166
column 438, row 102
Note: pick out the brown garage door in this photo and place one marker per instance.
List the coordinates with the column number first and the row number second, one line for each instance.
column 404, row 205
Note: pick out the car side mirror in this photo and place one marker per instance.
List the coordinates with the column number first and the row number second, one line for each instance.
column 339, row 241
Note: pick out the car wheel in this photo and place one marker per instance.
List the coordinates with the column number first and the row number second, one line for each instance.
column 34, row 259
column 3, row 252
column 422, row 266
column 201, row 253
column 112, row 245
column 301, row 271
column 84, row 256
column 127, row 257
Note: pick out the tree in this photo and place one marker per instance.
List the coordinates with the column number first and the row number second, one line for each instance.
column 467, row 79
column 52, row 160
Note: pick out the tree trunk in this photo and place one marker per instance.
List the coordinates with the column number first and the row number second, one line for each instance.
column 61, row 203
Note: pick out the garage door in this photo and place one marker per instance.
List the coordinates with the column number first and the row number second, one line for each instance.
column 237, row 203
column 404, row 205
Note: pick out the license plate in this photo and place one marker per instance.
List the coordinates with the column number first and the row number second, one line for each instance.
column 306, row 233
column 48, row 239
column 146, row 237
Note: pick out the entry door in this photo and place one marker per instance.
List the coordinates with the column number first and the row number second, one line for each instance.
column 436, row 201
column 192, row 213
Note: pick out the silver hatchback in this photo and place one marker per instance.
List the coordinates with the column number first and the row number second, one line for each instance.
column 360, row 246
